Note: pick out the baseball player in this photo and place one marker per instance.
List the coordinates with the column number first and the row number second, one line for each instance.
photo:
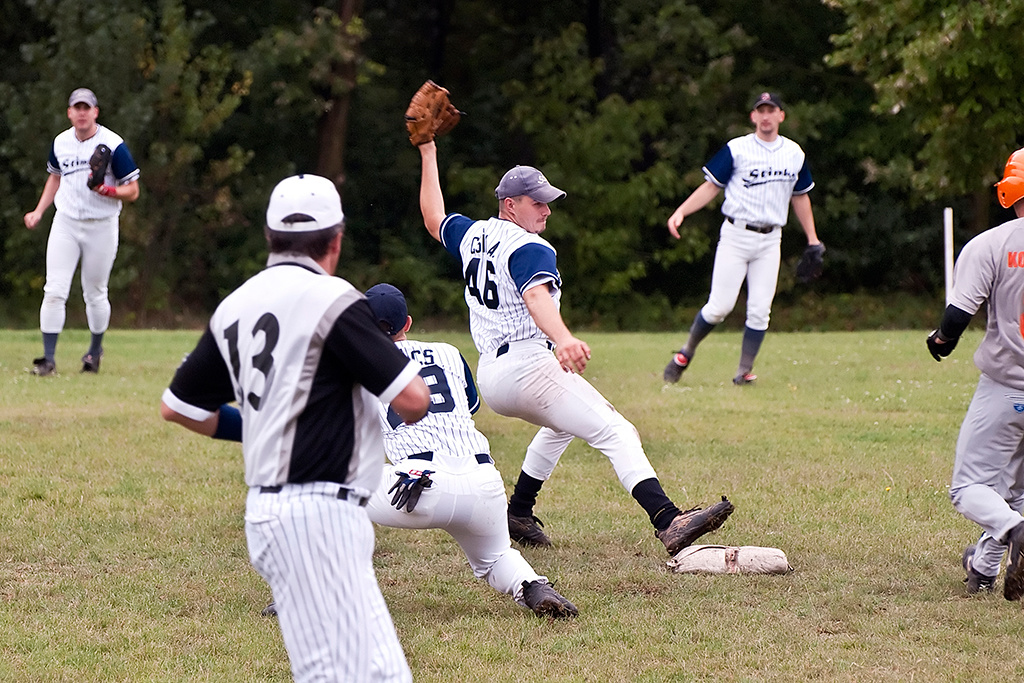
column 513, row 289
column 301, row 354
column 988, row 473
column 762, row 174
column 466, row 495
column 85, row 226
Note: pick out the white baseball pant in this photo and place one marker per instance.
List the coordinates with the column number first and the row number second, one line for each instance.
column 744, row 254
column 467, row 499
column 95, row 243
column 987, row 486
column 316, row 552
column 527, row 382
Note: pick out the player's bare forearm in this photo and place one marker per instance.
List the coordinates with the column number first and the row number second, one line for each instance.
column 33, row 217
column 412, row 402
column 205, row 427
column 697, row 200
column 128, row 192
column 802, row 208
column 431, row 198
column 571, row 352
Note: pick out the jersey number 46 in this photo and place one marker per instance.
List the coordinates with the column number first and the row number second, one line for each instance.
column 489, row 296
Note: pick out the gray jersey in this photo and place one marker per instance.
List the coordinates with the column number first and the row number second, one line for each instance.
column 990, row 269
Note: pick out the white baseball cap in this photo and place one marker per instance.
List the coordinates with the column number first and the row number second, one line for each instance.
column 304, row 203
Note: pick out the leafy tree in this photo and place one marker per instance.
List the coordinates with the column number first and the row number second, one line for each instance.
column 947, row 74
column 166, row 98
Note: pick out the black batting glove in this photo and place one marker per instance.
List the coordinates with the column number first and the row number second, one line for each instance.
column 940, row 346
column 408, row 489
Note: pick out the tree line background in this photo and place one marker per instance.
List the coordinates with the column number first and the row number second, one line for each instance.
column 902, row 108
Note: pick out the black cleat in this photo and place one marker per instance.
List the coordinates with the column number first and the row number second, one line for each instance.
column 1013, row 582
column 546, row 602
column 688, row 526
column 91, row 363
column 976, row 582
column 675, row 367
column 41, row 367
column 526, row 531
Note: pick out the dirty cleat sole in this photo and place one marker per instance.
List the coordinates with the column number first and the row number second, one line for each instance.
column 688, row 526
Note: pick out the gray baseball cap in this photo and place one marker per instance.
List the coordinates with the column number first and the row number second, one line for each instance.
column 388, row 305
column 526, row 180
column 82, row 95
column 304, row 203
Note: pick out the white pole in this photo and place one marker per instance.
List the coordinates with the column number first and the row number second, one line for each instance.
column 948, row 232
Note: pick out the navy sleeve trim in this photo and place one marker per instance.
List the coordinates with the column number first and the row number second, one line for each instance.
column 530, row 261
column 453, row 230
column 472, row 397
column 719, row 169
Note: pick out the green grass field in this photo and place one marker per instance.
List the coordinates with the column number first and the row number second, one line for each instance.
column 122, row 553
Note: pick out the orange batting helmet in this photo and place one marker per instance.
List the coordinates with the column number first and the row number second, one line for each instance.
column 1011, row 188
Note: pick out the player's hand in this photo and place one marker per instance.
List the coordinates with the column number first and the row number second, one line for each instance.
column 32, row 219
column 674, row 221
column 105, row 190
column 572, row 354
column 939, row 346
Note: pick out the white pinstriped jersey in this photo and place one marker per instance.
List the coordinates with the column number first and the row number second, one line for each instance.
column 990, row 268
column 500, row 261
column 69, row 158
column 760, row 178
column 448, row 428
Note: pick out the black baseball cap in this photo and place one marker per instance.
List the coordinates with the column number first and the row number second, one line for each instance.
column 767, row 98
column 388, row 305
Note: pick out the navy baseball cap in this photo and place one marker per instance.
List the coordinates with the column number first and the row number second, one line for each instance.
column 767, row 98
column 83, row 95
column 388, row 305
column 304, row 203
column 527, row 180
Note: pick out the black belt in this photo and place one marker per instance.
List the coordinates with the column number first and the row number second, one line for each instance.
column 343, row 494
column 482, row 458
column 503, row 349
column 762, row 229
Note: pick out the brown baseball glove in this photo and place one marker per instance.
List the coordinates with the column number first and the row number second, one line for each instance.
column 430, row 114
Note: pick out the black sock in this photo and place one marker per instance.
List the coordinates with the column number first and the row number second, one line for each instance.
column 524, row 496
column 96, row 346
column 700, row 329
column 751, row 345
column 653, row 500
column 50, row 345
